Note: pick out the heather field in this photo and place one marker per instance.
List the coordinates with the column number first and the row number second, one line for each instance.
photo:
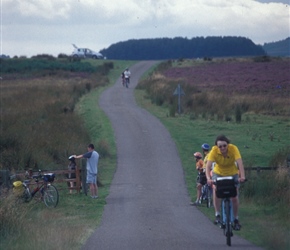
column 238, row 77
column 224, row 89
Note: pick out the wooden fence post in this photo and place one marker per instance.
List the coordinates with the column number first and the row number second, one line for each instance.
column 5, row 178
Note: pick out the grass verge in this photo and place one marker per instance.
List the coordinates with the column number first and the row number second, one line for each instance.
column 258, row 220
column 75, row 218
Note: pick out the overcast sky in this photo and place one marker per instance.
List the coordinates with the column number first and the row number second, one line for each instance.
column 31, row 27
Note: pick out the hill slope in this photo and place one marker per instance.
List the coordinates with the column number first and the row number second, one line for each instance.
column 176, row 48
column 280, row 48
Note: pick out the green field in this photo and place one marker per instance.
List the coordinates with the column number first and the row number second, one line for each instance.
column 189, row 135
column 76, row 217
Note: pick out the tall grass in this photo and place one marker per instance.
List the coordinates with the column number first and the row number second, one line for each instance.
column 270, row 192
column 39, row 127
column 45, row 120
column 32, row 226
column 12, row 217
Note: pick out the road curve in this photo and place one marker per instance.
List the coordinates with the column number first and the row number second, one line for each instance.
column 148, row 204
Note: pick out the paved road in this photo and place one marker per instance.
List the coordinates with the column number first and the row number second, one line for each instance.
column 148, row 205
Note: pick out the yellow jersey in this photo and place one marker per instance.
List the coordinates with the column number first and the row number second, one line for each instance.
column 225, row 166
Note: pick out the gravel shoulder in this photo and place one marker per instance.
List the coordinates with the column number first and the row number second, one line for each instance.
column 148, row 204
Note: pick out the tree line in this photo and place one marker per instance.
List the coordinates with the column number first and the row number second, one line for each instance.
column 178, row 47
column 279, row 48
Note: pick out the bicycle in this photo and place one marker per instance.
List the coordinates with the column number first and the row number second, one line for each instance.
column 48, row 193
column 206, row 195
column 226, row 189
column 127, row 81
column 123, row 81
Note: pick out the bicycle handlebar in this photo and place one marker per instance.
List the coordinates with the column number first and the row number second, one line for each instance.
column 236, row 182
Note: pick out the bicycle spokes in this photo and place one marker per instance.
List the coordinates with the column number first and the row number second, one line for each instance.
column 50, row 196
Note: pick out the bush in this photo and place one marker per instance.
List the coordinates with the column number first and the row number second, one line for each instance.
column 238, row 112
column 280, row 157
column 262, row 59
column 172, row 110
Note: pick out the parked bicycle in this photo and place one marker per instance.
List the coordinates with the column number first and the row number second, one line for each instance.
column 226, row 189
column 44, row 190
column 206, row 195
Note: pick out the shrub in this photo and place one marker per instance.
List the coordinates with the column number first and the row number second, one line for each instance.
column 238, row 113
column 44, row 56
column 262, row 59
column 280, row 157
column 61, row 56
column 172, row 110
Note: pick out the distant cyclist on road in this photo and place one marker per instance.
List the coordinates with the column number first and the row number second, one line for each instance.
column 225, row 155
column 127, row 75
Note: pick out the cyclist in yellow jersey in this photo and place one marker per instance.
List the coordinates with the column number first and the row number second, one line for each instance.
column 226, row 156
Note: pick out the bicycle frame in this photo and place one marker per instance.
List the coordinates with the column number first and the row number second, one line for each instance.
column 224, row 212
column 226, row 189
column 48, row 192
column 227, row 225
column 39, row 186
column 206, row 194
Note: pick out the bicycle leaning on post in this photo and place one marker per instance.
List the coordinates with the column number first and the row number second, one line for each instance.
column 48, row 193
column 226, row 189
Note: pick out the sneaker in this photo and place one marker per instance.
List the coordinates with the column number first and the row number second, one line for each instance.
column 94, row 197
column 196, row 203
column 217, row 220
column 237, row 225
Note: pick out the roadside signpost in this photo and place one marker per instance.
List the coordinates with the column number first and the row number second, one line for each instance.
column 179, row 92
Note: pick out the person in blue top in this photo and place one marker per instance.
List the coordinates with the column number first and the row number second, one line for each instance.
column 92, row 169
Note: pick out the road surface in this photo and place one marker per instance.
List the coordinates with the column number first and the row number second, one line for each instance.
column 148, row 204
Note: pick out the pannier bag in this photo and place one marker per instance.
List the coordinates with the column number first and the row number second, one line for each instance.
column 17, row 187
column 225, row 187
column 49, row 177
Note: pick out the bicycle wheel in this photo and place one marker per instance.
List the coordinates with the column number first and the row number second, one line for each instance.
column 208, row 195
column 228, row 230
column 26, row 195
column 203, row 194
column 50, row 196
